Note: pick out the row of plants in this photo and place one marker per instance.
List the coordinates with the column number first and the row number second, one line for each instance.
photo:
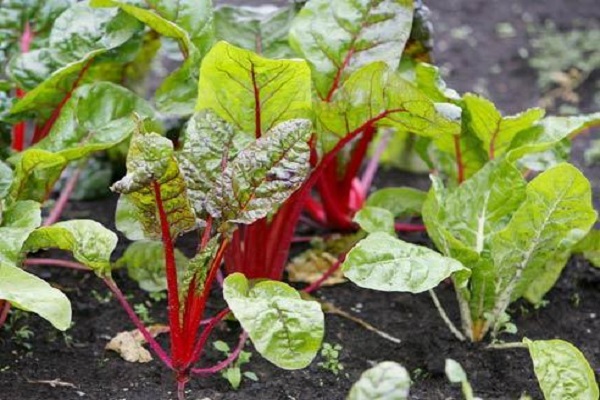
column 267, row 123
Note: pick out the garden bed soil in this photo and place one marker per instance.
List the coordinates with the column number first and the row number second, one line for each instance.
column 572, row 312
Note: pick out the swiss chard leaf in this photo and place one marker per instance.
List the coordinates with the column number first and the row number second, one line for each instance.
column 375, row 219
column 263, row 175
column 339, row 37
column 18, row 221
column 252, row 92
column 79, row 36
column 383, row 262
column 145, row 263
column 400, row 201
column 385, row 381
column 209, row 144
column 260, row 29
column 284, row 328
column 36, row 172
column 562, row 370
column 151, row 166
column 556, row 214
column 96, row 117
column 589, row 247
column 90, row 242
column 496, row 132
column 28, row 292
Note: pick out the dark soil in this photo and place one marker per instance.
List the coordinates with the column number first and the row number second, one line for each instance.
column 572, row 312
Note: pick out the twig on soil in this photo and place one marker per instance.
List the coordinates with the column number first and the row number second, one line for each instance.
column 504, row 346
column 444, row 316
column 53, row 382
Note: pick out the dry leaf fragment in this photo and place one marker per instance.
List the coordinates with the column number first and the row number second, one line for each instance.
column 129, row 344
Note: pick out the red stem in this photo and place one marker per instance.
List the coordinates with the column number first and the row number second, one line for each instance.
column 205, row 334
column 172, row 286
column 373, row 164
column 337, row 80
column 4, row 309
column 19, row 128
column 225, row 363
column 459, row 161
column 402, row 227
column 59, row 207
column 56, row 263
column 330, row 271
column 41, row 133
column 136, row 321
column 257, row 106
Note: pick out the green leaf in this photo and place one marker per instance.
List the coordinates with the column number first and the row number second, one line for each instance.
column 284, row 328
column 36, row 172
column 385, row 381
column 96, row 117
column 562, row 370
column 378, row 95
column 79, row 36
column 496, row 132
column 339, row 37
column 151, row 161
column 375, row 219
column 18, row 221
column 263, row 175
column 127, row 221
column 6, row 178
column 552, row 130
column 264, row 30
column 177, row 94
column 455, row 372
column 383, row 262
column 589, row 247
column 252, row 92
column 400, row 201
column 556, row 214
column 145, row 263
column 209, row 144
column 28, row 292
column 89, row 241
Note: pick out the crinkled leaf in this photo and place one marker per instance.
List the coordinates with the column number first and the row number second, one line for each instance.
column 6, row 178
column 96, row 117
column 590, row 247
column 127, row 221
column 252, row 92
column 209, row 144
column 178, row 93
column 263, row 175
column 383, row 262
column 18, row 221
column 375, row 219
column 551, row 131
column 496, row 132
column 562, row 370
column 385, row 381
column 263, row 30
column 36, row 172
column 339, row 37
column 400, row 201
column 28, row 292
column 80, row 35
column 284, row 328
column 546, row 277
column 89, row 241
column 556, row 214
column 151, row 162
column 145, row 263
column 378, row 95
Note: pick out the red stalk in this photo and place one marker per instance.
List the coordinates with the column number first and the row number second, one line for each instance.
column 56, row 263
column 172, row 286
column 403, row 227
column 257, row 118
column 459, row 161
column 197, row 352
column 63, row 199
column 330, row 271
column 19, row 128
column 42, row 132
column 225, row 363
column 4, row 309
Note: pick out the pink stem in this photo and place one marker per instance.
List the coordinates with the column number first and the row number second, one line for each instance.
column 226, row 362
column 402, row 227
column 317, row 284
column 136, row 321
column 56, row 263
column 59, row 207
column 206, row 333
column 373, row 164
column 4, row 309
